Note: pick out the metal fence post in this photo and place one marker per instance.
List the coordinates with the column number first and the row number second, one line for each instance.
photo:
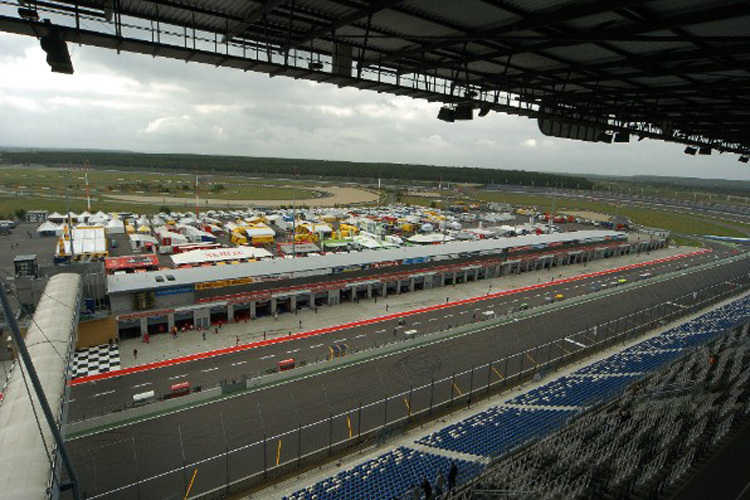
column 453, row 386
column 359, row 422
column 226, row 448
column 330, row 433
column 432, row 394
column 385, row 411
column 471, row 387
column 184, row 464
column 265, row 457
column 299, row 445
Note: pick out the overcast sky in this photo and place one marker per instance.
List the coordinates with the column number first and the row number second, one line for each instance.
column 138, row 103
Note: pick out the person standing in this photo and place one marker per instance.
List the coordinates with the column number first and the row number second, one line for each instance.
column 427, row 489
column 452, row 473
column 135, row 353
column 439, row 484
column 204, row 334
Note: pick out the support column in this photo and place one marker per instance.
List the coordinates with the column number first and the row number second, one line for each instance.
column 411, row 284
column 293, row 304
column 170, row 321
column 144, row 326
column 252, row 309
column 312, row 301
column 398, row 287
column 384, row 290
column 369, row 291
column 274, row 306
column 230, row 312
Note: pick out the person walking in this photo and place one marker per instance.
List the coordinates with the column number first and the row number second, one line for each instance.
column 135, row 353
column 204, row 334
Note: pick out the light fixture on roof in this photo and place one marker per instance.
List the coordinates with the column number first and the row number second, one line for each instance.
column 704, row 150
column 28, row 14
column 447, row 114
column 465, row 111
column 604, row 137
column 743, row 159
column 622, row 137
column 56, row 48
column 484, row 110
column 315, row 65
column 690, row 150
column 471, row 94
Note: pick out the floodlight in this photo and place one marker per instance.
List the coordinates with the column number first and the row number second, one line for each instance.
column 704, row 150
column 58, row 56
column 447, row 114
column 28, row 14
column 622, row 137
column 464, row 111
column 690, row 150
column 743, row 159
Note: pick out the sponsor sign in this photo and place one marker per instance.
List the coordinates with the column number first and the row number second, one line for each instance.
column 222, row 283
column 174, row 290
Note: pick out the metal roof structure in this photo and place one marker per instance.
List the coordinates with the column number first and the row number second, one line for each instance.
column 596, row 70
column 153, row 280
column 25, row 468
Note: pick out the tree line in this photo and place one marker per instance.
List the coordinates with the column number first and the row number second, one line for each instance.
column 284, row 167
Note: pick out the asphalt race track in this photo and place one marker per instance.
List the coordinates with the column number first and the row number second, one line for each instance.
column 107, row 391
column 155, row 458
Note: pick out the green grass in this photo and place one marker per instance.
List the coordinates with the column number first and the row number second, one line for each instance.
column 663, row 219
column 8, row 205
column 45, row 189
column 422, row 201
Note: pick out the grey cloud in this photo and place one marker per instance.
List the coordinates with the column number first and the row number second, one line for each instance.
column 238, row 113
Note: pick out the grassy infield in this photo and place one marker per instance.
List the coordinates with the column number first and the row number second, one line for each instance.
column 44, row 189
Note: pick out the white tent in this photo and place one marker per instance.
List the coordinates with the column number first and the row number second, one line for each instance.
column 55, row 217
column 115, row 226
column 48, row 229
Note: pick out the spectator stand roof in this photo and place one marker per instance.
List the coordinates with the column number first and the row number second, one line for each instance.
column 662, row 69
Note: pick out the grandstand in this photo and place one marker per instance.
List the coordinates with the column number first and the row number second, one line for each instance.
column 631, row 424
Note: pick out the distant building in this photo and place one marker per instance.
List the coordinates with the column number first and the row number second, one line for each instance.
column 36, row 216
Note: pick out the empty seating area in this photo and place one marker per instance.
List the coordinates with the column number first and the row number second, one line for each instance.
column 497, row 431
column 640, row 445
column 575, row 390
column 388, row 476
column 632, row 360
column 628, row 426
